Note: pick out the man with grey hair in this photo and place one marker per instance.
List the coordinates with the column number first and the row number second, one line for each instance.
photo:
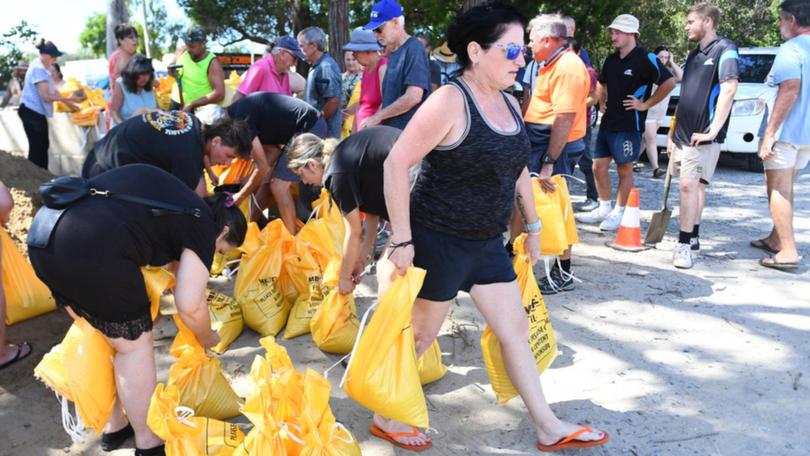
column 407, row 80
column 271, row 73
column 324, row 81
column 555, row 119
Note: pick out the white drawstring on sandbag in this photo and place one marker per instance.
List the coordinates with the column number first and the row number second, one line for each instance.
column 73, row 426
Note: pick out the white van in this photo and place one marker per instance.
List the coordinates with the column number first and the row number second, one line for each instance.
column 753, row 97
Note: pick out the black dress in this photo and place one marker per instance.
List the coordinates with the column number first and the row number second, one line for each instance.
column 93, row 260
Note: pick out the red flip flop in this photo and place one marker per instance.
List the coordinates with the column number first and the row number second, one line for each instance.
column 571, row 442
column 390, row 436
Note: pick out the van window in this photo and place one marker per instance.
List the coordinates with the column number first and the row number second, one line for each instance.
column 755, row 67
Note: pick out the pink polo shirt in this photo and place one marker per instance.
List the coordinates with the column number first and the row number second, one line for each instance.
column 262, row 77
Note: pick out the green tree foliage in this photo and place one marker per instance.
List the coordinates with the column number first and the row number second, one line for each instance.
column 10, row 53
column 94, row 36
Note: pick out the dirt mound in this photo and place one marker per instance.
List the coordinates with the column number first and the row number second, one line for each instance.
column 23, row 178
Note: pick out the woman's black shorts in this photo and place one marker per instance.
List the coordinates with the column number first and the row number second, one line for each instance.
column 455, row 264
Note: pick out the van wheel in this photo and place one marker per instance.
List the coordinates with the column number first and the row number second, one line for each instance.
column 753, row 163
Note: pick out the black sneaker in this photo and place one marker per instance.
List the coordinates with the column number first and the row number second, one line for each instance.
column 587, row 206
column 658, row 172
column 557, row 283
column 694, row 244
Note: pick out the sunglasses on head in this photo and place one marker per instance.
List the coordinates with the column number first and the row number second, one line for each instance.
column 513, row 50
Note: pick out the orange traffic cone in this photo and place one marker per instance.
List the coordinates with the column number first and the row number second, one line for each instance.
column 629, row 236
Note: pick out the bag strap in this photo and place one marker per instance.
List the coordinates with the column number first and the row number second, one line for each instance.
column 158, row 207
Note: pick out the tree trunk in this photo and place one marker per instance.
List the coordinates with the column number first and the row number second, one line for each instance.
column 471, row 3
column 116, row 14
column 338, row 28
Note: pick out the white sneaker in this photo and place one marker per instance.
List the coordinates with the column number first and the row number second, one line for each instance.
column 613, row 220
column 682, row 256
column 594, row 216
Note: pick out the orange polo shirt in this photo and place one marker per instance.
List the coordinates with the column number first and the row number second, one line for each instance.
column 562, row 86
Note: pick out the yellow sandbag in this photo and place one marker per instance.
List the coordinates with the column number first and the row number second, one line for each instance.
column 323, row 435
column 226, row 319
column 199, row 378
column 273, row 406
column 157, row 280
column 81, row 370
column 186, row 434
column 346, row 129
column 263, row 305
column 305, row 273
column 26, row 296
column 163, row 92
column 382, row 375
column 329, row 212
column 553, row 239
column 430, row 364
column 334, row 325
column 567, row 209
column 542, row 340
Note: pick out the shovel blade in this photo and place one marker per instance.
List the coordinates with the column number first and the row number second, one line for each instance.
column 658, row 227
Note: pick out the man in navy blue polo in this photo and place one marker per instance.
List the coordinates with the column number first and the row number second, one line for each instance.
column 707, row 92
column 626, row 89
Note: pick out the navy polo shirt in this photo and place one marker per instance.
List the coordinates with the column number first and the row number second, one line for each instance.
column 705, row 69
column 634, row 75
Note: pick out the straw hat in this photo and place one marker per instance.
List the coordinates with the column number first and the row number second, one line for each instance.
column 444, row 54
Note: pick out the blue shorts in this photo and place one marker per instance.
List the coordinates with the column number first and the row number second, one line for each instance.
column 539, row 137
column 454, row 264
column 622, row 146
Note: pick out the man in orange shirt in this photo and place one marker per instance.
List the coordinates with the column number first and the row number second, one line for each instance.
column 556, row 119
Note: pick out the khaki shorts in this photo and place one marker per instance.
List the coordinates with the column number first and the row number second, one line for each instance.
column 787, row 156
column 695, row 162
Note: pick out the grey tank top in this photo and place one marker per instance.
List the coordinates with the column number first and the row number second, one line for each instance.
column 467, row 189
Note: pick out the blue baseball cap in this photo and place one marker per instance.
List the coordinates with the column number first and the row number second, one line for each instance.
column 291, row 44
column 383, row 12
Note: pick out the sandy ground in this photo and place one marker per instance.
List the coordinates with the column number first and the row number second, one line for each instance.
column 708, row 361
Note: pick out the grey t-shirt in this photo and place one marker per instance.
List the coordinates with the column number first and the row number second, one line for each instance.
column 325, row 81
column 407, row 66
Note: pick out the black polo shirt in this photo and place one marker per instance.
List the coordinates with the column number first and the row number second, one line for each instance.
column 274, row 118
column 705, row 69
column 634, row 75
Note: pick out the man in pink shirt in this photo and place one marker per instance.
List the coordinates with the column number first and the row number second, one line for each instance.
column 269, row 74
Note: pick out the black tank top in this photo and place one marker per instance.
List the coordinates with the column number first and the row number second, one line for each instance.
column 467, row 189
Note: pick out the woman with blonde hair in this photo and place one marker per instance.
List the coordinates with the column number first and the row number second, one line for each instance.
column 352, row 172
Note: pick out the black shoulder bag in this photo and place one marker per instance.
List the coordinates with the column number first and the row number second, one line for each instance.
column 59, row 193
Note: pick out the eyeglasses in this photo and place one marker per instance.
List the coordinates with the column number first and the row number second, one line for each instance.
column 380, row 28
column 513, row 51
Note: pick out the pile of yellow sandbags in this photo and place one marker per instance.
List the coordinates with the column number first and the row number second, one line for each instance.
column 92, row 103
column 163, row 92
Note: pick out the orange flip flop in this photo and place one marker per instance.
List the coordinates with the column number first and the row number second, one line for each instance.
column 571, row 442
column 390, row 436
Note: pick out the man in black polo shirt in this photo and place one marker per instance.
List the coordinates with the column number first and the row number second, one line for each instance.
column 626, row 89
column 707, row 93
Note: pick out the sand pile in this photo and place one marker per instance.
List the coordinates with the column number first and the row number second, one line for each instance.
column 22, row 178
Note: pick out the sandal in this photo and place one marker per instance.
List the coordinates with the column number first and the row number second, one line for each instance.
column 773, row 263
column 113, row 440
column 762, row 245
column 390, row 436
column 19, row 355
column 571, row 442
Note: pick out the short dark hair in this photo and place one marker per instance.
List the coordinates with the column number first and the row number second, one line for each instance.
column 659, row 49
column 124, row 30
column 575, row 44
column 233, row 132
column 483, row 24
column 706, row 10
column 135, row 67
column 799, row 9
column 230, row 216
column 58, row 69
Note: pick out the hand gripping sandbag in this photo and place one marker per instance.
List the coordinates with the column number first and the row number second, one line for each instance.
column 26, row 296
column 334, row 325
column 274, row 407
column 382, row 374
column 430, row 364
column 542, row 340
column 567, row 209
column 256, row 290
column 186, row 434
column 80, row 369
column 199, row 378
column 553, row 240
column 226, row 319
column 323, row 435
column 157, row 281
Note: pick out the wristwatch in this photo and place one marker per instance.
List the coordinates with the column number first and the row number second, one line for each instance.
column 547, row 160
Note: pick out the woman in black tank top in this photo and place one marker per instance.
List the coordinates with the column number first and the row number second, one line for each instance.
column 474, row 151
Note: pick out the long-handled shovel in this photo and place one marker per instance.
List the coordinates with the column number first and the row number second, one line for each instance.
column 660, row 219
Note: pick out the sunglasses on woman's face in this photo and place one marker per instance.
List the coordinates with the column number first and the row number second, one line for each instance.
column 513, row 51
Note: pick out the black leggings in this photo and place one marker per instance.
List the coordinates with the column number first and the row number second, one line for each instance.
column 36, row 130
